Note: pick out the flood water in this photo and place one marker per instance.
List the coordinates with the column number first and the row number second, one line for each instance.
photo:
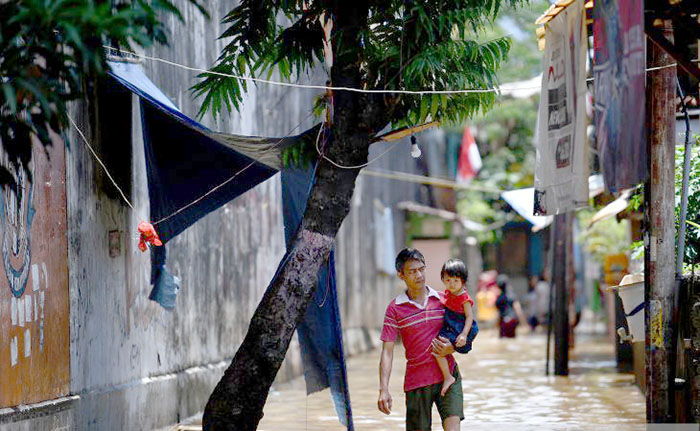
column 504, row 388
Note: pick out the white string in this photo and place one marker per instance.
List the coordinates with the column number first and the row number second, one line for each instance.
column 194, row 201
column 318, row 150
column 80, row 132
column 322, row 87
column 232, row 177
column 651, row 69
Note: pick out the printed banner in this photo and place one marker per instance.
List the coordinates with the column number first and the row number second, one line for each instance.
column 619, row 85
column 561, row 172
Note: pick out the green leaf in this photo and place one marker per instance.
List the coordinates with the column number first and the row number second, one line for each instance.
column 424, row 105
column 434, row 106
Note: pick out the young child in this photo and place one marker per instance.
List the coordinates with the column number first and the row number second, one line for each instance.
column 459, row 325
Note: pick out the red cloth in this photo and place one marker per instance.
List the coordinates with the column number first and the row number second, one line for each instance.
column 469, row 161
column 418, row 326
column 456, row 302
column 148, row 236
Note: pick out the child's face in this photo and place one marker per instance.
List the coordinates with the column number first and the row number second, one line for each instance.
column 453, row 284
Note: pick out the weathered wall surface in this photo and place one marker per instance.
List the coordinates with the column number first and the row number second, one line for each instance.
column 134, row 365
column 34, row 348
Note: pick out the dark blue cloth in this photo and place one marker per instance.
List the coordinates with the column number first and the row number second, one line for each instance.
column 320, row 333
column 183, row 163
column 453, row 325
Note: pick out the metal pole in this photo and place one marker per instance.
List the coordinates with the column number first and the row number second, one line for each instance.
column 659, row 237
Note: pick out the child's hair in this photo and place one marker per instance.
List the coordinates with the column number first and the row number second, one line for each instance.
column 454, row 268
column 407, row 254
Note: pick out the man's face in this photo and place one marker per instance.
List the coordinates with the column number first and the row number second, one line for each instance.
column 413, row 274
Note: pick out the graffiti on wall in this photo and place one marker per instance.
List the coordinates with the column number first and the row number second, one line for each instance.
column 34, row 347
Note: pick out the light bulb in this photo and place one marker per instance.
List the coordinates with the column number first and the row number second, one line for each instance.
column 415, row 150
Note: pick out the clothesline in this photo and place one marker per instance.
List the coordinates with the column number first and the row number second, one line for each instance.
column 502, row 89
column 650, row 69
column 212, row 190
column 323, row 87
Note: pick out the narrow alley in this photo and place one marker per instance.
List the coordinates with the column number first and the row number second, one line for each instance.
column 504, row 388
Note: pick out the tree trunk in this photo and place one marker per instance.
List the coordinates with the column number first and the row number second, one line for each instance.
column 238, row 399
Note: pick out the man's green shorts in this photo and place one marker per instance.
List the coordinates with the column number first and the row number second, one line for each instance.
column 419, row 404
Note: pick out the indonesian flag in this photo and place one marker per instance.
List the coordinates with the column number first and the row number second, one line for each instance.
column 469, row 159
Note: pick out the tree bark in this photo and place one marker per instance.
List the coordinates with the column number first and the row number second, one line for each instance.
column 238, row 399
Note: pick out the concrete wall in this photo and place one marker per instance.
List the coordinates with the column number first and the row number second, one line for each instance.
column 134, row 365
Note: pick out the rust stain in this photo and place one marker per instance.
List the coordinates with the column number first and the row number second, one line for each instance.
column 657, row 325
column 34, row 302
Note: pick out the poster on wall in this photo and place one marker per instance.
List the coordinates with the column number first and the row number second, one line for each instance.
column 619, row 92
column 561, row 171
column 34, row 302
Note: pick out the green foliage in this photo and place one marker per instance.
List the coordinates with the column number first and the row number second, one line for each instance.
column 505, row 135
column 524, row 59
column 692, row 239
column 402, row 45
column 481, row 208
column 637, row 249
column 508, row 161
column 603, row 238
column 509, row 157
column 302, row 153
column 47, row 47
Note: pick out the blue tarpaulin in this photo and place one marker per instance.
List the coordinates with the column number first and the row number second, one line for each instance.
column 190, row 173
column 320, row 333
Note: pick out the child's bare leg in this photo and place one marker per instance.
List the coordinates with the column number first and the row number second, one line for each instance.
column 448, row 378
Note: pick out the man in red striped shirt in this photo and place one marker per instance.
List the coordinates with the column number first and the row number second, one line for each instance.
column 417, row 315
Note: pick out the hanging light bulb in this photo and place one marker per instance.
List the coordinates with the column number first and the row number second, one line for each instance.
column 415, row 150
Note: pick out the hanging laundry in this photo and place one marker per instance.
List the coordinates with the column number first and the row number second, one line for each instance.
column 619, row 92
column 192, row 171
column 320, row 332
column 469, row 162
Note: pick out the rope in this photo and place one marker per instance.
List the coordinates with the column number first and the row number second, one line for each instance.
column 232, row 177
column 320, row 87
column 651, row 69
column 80, row 132
column 318, row 150
column 94, row 154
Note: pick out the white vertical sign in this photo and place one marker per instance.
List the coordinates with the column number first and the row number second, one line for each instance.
column 561, row 172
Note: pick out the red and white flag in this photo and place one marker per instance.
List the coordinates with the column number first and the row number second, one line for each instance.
column 469, row 161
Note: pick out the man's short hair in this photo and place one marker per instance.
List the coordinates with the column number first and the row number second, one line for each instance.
column 454, row 268
column 408, row 254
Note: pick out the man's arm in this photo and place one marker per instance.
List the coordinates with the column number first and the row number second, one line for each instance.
column 385, row 362
column 441, row 346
